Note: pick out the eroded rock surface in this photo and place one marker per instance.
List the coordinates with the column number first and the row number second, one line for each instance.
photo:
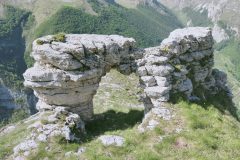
column 182, row 64
column 67, row 74
column 46, row 125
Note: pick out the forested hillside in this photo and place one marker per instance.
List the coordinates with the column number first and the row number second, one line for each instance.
column 12, row 46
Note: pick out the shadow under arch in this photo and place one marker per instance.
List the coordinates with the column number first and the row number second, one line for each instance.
column 116, row 105
column 111, row 121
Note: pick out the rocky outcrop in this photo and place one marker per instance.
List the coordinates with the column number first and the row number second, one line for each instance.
column 182, row 64
column 67, row 72
column 46, row 125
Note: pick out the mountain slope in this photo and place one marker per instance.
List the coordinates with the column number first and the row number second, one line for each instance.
column 223, row 11
column 143, row 24
column 43, row 9
column 195, row 131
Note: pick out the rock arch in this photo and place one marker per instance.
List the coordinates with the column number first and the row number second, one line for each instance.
column 68, row 73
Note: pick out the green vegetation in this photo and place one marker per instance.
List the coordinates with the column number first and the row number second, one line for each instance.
column 14, row 17
column 12, row 116
column 226, row 58
column 207, row 132
column 60, row 37
column 9, row 141
column 40, row 42
column 9, row 76
column 145, row 24
column 231, row 50
column 12, row 63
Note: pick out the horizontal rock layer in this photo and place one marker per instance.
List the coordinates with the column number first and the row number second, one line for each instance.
column 68, row 73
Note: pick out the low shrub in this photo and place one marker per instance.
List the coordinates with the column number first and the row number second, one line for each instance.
column 40, row 42
column 60, row 37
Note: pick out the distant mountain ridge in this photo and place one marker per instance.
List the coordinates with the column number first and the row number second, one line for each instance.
column 222, row 13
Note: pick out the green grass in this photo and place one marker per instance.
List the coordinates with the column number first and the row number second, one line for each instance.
column 40, row 42
column 197, row 18
column 207, row 132
column 8, row 116
column 10, row 140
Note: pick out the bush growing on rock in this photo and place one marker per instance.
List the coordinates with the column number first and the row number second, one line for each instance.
column 60, row 37
column 40, row 42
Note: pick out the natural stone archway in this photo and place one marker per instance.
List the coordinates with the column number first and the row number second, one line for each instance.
column 68, row 73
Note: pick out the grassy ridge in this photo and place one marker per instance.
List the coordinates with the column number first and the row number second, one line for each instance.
column 205, row 132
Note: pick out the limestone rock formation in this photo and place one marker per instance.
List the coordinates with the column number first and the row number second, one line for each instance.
column 183, row 63
column 57, row 122
column 67, row 74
